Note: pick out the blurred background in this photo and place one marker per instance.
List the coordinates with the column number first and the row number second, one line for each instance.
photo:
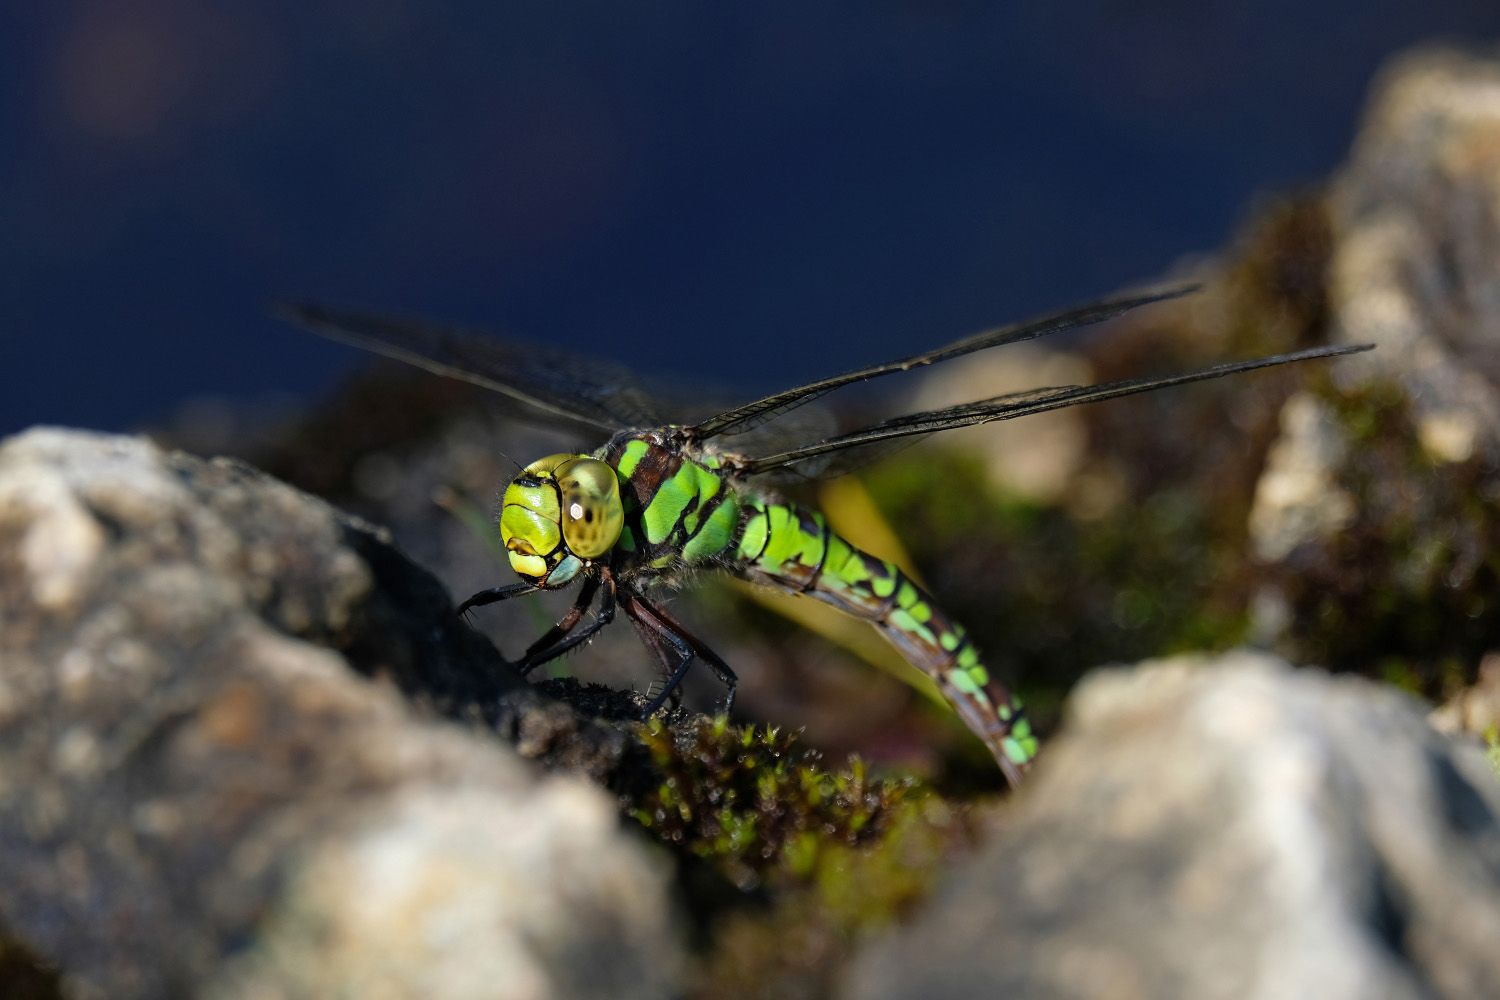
column 816, row 185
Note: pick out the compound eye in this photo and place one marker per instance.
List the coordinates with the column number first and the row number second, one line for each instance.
column 592, row 515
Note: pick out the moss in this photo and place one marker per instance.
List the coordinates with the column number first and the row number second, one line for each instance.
column 809, row 859
column 1408, row 590
column 1048, row 595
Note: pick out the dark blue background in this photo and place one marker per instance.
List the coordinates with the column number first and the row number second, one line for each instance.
column 765, row 191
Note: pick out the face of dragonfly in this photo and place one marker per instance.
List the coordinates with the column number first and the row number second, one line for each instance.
column 559, row 515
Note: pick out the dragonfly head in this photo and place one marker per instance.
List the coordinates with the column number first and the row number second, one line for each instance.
column 560, row 514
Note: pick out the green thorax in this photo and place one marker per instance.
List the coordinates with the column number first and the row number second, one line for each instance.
column 681, row 510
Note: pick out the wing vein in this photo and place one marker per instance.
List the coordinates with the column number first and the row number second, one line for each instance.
column 595, row 393
column 1025, row 403
column 743, row 417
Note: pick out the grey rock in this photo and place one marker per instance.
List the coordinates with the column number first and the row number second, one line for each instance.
column 1416, row 218
column 1224, row 828
column 1297, row 498
column 1375, row 524
column 223, row 770
column 1474, row 710
column 1416, row 226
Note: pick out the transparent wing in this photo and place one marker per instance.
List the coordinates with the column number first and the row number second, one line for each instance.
column 561, row 385
column 1023, row 404
column 744, row 417
column 774, row 438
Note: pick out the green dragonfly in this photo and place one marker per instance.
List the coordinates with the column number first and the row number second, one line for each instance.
column 657, row 501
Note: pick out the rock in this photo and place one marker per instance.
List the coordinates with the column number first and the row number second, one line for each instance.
column 1416, row 217
column 1297, row 498
column 1225, row 828
column 1474, row 710
column 199, row 796
column 1376, row 521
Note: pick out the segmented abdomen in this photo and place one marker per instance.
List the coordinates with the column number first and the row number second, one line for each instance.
column 792, row 547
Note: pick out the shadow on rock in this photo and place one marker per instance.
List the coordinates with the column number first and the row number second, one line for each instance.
column 1228, row 828
column 199, row 797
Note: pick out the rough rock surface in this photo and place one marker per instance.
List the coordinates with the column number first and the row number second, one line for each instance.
column 1225, row 829
column 1376, row 520
column 199, row 797
column 1416, row 220
column 1476, row 709
column 1417, row 228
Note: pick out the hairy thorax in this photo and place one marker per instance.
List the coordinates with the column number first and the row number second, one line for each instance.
column 684, row 506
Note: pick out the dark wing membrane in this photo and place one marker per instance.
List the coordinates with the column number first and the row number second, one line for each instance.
column 744, row 417
column 1023, row 404
column 562, row 385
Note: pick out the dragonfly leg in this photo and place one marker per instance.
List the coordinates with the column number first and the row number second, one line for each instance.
column 716, row 663
column 668, row 653
column 675, row 658
column 657, row 626
column 494, row 594
column 558, row 641
column 669, row 690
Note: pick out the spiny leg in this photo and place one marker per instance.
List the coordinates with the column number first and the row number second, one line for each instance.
column 653, row 617
column 669, row 655
column 564, row 625
column 557, row 641
column 721, row 669
column 494, row 594
column 657, row 636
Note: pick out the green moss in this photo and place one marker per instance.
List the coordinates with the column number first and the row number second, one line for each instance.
column 1048, row 595
column 1399, row 673
column 826, row 854
column 1407, row 591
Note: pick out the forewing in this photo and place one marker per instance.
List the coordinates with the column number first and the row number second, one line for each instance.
column 742, row 418
column 1023, row 404
column 561, row 385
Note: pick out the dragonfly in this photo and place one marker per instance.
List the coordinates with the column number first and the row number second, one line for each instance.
column 656, row 502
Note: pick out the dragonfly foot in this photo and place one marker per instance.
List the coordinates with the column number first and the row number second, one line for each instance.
column 727, row 705
column 669, row 690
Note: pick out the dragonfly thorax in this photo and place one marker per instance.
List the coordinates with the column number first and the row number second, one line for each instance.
column 558, row 516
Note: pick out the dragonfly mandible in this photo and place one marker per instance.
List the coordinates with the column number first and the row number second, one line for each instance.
column 657, row 501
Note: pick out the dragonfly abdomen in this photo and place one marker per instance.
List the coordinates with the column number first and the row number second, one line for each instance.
column 788, row 546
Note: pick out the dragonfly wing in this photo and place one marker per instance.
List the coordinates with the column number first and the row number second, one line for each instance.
column 808, row 423
column 744, row 417
column 1023, row 404
column 561, row 385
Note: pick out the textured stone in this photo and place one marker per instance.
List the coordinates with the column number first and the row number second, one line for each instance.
column 1417, row 227
column 1476, row 709
column 1297, row 498
column 208, row 786
column 1224, row 828
column 1376, row 521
